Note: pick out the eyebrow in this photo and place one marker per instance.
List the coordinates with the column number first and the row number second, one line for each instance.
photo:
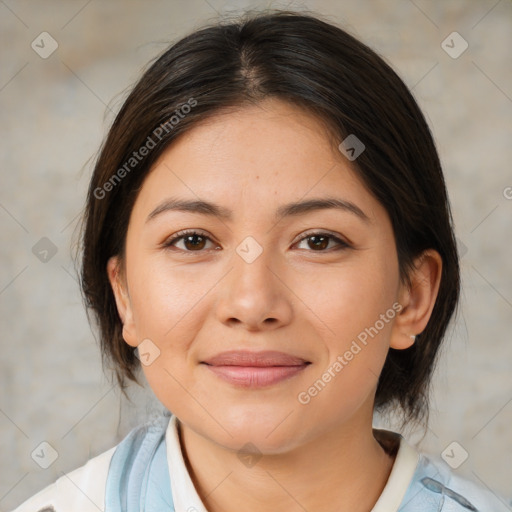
column 288, row 210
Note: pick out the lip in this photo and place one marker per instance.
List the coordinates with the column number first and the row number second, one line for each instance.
column 258, row 359
column 255, row 369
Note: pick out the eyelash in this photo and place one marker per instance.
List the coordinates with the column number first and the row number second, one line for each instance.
column 182, row 234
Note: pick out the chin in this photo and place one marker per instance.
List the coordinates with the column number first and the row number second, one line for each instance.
column 270, row 431
column 256, row 440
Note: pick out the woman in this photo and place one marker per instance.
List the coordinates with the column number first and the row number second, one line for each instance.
column 268, row 236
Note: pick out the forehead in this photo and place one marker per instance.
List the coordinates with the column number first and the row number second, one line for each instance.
column 264, row 154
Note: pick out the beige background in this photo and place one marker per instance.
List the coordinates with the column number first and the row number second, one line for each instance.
column 55, row 114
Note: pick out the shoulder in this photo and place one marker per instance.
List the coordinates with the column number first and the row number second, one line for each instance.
column 81, row 490
column 435, row 485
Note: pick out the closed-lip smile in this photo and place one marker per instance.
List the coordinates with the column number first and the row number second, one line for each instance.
column 249, row 369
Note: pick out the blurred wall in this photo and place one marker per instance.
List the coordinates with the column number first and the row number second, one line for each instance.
column 58, row 94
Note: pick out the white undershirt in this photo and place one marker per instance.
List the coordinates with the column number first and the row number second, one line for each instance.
column 186, row 498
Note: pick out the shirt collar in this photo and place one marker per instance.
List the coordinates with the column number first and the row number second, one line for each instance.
column 402, row 472
column 184, row 494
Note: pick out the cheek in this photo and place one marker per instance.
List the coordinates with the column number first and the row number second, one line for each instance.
column 166, row 304
column 351, row 298
column 164, row 298
column 169, row 304
column 356, row 304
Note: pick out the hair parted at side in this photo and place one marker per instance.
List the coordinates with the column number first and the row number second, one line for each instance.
column 311, row 63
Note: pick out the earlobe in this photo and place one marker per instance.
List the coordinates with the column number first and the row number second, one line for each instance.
column 417, row 300
column 124, row 309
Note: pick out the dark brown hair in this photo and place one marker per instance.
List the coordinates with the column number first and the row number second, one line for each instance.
column 311, row 63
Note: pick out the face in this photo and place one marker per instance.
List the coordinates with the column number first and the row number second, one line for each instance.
column 244, row 304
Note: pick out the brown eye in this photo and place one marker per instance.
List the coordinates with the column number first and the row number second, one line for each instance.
column 190, row 241
column 319, row 242
column 193, row 242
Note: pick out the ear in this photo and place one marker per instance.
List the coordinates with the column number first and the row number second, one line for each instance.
column 418, row 300
column 124, row 308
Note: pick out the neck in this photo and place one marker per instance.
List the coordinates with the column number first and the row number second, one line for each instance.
column 344, row 469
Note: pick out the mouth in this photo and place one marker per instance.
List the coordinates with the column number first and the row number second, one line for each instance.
column 255, row 369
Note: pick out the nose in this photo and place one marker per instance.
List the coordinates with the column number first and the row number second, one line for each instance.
column 254, row 295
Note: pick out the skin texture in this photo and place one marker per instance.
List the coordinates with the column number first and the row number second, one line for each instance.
column 308, row 302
